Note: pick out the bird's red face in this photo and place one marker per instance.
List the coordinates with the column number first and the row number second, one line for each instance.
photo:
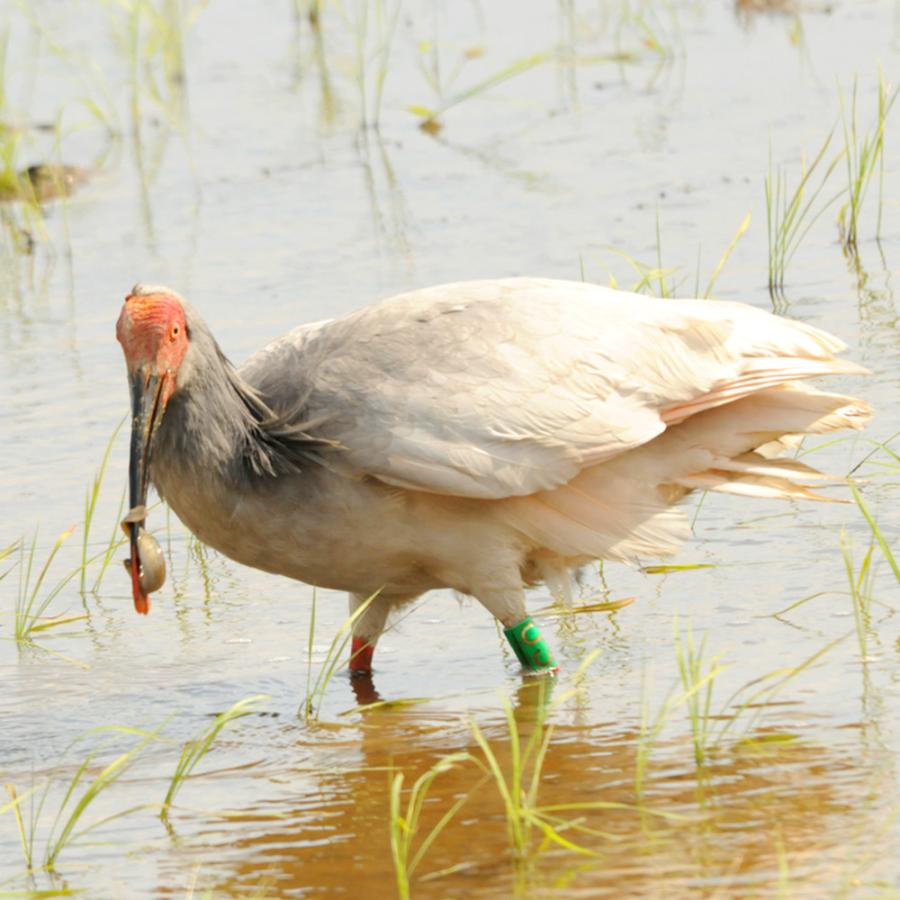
column 154, row 337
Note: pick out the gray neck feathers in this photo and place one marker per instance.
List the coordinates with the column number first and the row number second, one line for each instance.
column 219, row 426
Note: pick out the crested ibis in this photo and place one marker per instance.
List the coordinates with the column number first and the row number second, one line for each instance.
column 484, row 436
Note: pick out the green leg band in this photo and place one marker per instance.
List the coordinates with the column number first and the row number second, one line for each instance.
column 529, row 646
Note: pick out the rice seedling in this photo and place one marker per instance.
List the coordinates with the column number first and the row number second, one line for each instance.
column 15, row 805
column 66, row 828
column 659, row 279
column 152, row 37
column 90, row 505
column 723, row 259
column 24, row 225
column 698, row 686
column 8, row 551
column 519, row 788
column 748, row 702
column 649, row 731
column 784, row 870
column 861, row 583
column 791, row 213
column 30, row 606
column 404, row 821
column 877, row 533
column 654, row 28
column 196, row 748
column 890, row 465
column 328, row 104
column 863, row 156
column 648, row 276
column 382, row 38
column 96, row 97
column 10, row 135
column 697, row 678
column 430, row 116
column 661, row 38
column 315, row 690
column 313, row 11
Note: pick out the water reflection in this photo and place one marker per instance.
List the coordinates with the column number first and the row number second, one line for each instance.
column 386, row 202
column 769, row 805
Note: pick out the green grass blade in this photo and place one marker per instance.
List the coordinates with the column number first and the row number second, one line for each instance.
column 876, row 531
column 195, row 749
column 742, row 228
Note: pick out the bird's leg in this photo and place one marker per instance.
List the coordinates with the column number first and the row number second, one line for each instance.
column 367, row 628
column 521, row 631
column 530, row 647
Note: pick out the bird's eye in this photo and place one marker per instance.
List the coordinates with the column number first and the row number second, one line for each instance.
column 174, row 332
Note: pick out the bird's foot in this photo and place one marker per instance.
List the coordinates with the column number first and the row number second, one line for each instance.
column 550, row 672
column 530, row 648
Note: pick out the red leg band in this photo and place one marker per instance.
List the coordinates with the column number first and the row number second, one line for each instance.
column 361, row 655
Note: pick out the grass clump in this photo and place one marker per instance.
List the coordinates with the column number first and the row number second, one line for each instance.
column 864, row 156
column 380, row 34
column 698, row 674
column 405, row 820
column 195, row 749
column 66, row 828
column 861, row 584
column 790, row 213
column 315, row 690
column 656, row 279
column 877, row 534
column 697, row 685
column 519, row 789
column 30, row 605
column 430, row 116
column 519, row 784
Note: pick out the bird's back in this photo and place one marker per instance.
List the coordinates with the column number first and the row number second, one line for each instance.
column 501, row 388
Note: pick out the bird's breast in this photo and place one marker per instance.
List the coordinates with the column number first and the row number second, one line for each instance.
column 319, row 527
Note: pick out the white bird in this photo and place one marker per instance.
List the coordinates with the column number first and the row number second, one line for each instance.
column 483, row 436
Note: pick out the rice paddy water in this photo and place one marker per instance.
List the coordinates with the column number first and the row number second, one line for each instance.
column 726, row 723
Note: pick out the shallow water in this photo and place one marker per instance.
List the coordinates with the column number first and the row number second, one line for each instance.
column 252, row 190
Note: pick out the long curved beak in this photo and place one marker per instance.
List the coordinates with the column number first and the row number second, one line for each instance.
column 146, row 414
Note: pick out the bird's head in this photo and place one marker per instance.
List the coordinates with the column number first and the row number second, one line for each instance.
column 153, row 332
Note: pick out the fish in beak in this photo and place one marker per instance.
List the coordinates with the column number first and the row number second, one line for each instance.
column 146, row 562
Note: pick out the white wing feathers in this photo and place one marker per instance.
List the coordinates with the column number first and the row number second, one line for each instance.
column 494, row 389
column 622, row 509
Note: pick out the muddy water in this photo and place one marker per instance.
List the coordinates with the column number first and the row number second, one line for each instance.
column 243, row 179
